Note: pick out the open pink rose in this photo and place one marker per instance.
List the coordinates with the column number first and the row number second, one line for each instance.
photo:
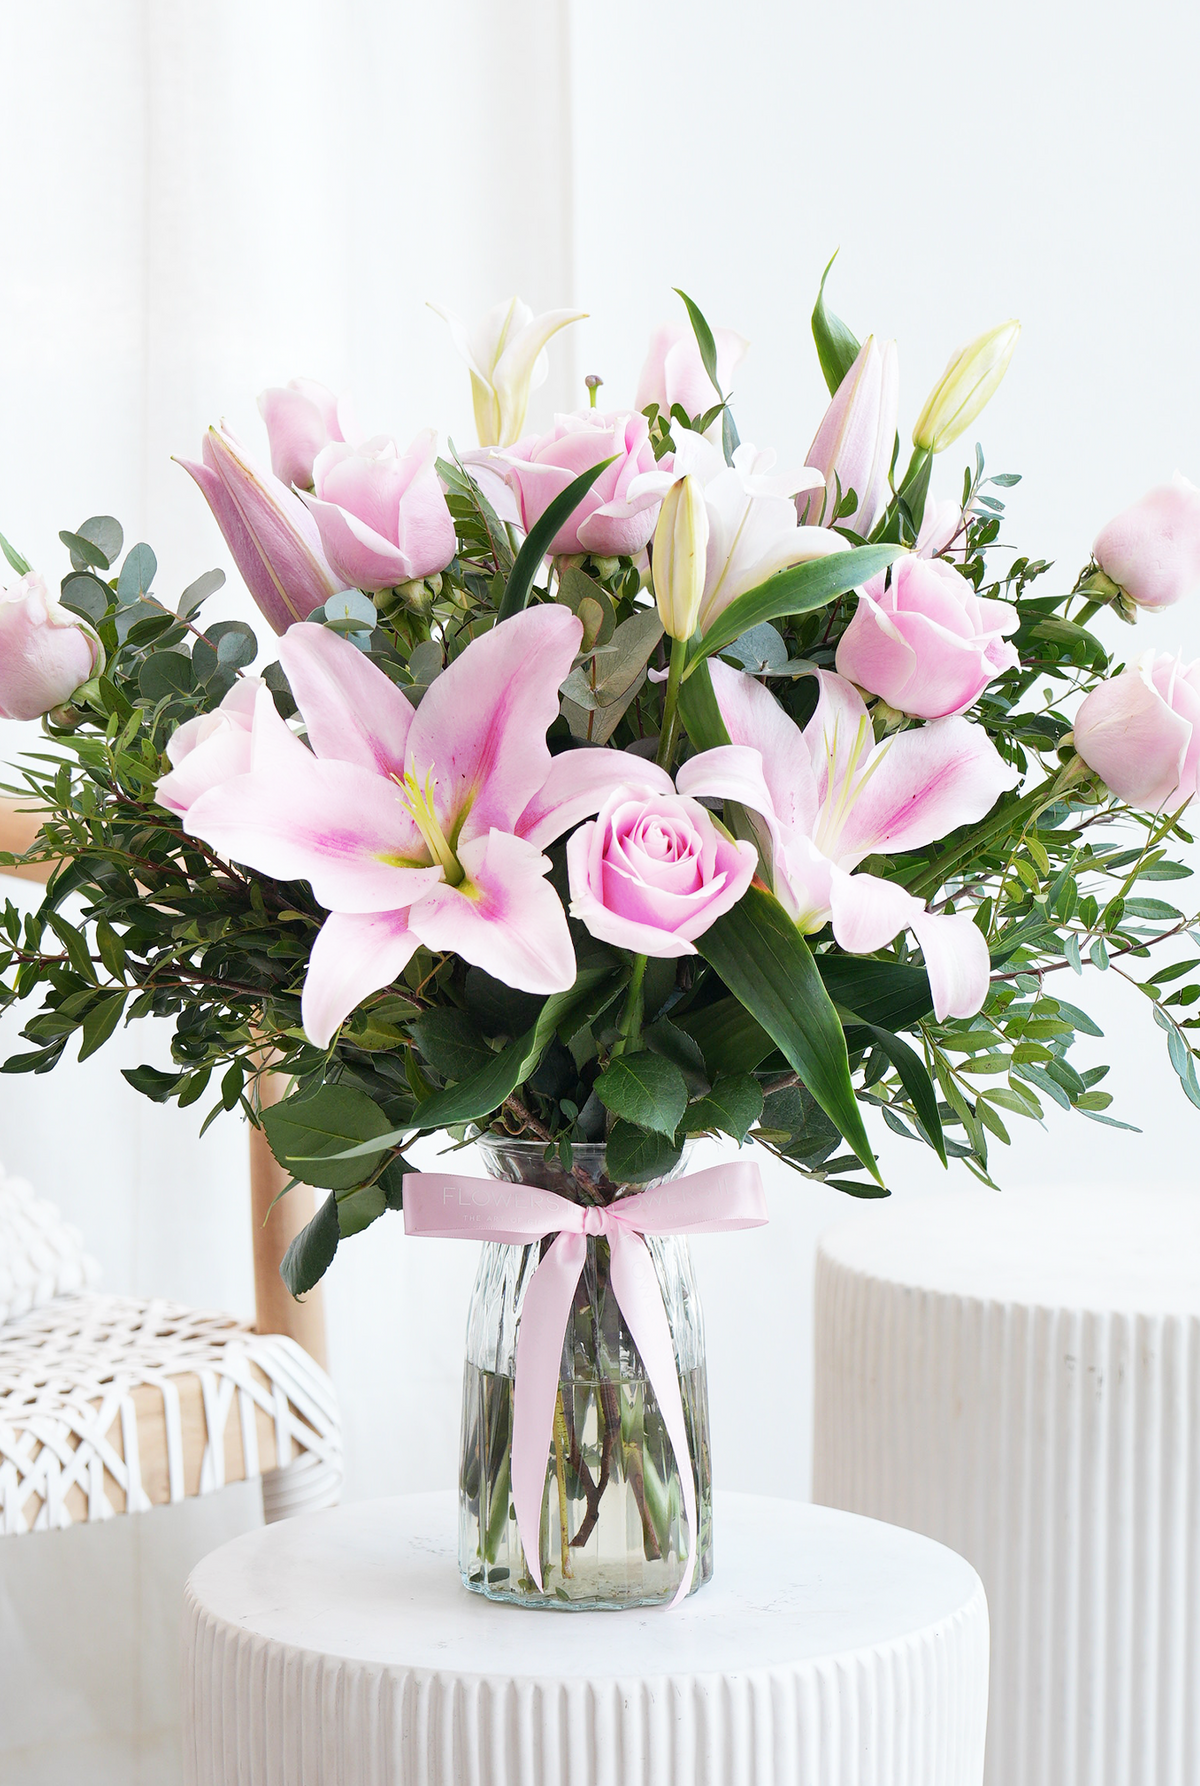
column 651, row 873
column 926, row 644
column 381, row 514
column 1140, row 731
column 1152, row 550
column 211, row 749
column 45, row 651
column 302, row 417
column 617, row 516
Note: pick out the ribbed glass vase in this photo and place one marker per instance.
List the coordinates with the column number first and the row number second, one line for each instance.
column 613, row 1530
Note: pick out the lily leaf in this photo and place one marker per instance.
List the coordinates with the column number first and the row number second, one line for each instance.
column 797, row 591
column 837, row 348
column 537, row 540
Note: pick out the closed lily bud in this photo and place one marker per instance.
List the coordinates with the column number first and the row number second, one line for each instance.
column 969, row 381
column 273, row 538
column 853, row 445
column 46, row 652
column 681, row 556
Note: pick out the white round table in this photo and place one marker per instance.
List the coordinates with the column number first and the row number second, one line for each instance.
column 1019, row 1377
column 342, row 1650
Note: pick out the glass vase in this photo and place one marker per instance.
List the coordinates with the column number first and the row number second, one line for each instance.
column 613, row 1528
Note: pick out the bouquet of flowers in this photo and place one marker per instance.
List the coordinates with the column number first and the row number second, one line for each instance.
column 610, row 785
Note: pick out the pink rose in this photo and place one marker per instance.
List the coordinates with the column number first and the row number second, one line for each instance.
column 652, row 873
column 211, row 749
column 927, row 644
column 616, row 518
column 382, row 517
column 1152, row 550
column 45, row 650
column 1140, row 731
column 302, row 417
column 673, row 371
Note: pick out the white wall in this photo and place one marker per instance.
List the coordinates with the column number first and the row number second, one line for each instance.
column 199, row 199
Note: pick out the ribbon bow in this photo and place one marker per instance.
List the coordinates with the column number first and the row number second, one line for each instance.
column 443, row 1206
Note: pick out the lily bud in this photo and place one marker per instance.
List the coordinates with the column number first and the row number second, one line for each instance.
column 505, row 353
column 271, row 534
column 681, row 556
column 853, row 445
column 46, row 652
column 969, row 381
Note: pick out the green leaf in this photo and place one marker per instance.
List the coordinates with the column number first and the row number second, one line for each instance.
column 837, row 348
column 83, row 552
column 359, row 1207
column 19, row 564
column 164, row 674
column 1150, row 908
column 766, row 963
column 734, row 1105
column 730, row 1038
column 701, row 714
column 451, row 1043
column 152, row 1082
column 75, row 943
column 913, row 1076
column 889, row 993
column 198, row 592
column 619, row 669
column 137, row 574
column 308, row 1134
column 704, row 340
column 311, row 1252
column 634, row 1156
column 645, row 1089
column 798, row 1126
column 796, row 591
column 673, row 1043
column 537, row 540
column 86, row 595
column 100, row 1023
column 105, row 533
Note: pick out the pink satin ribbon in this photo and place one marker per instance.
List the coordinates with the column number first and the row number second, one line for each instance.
column 443, row 1206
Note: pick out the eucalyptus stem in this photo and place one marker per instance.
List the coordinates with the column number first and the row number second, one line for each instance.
column 669, row 736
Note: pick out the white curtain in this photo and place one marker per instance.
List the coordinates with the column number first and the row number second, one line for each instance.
column 198, row 199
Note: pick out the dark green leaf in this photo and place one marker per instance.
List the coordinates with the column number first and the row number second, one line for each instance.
column 798, row 1126
column 766, row 963
column 646, row 1089
column 698, row 706
column 837, row 348
column 538, row 539
column 105, row 533
column 796, row 591
column 86, row 595
column 83, row 552
column 731, row 1039
column 673, row 1043
column 889, row 993
column 307, row 1133
column 311, row 1253
column 359, row 1207
column 152, row 1082
column 165, row 674
column 100, row 1023
column 913, row 1076
column 704, row 340
column 146, row 631
column 451, row 1043
column 137, row 574
column 733, row 1105
column 635, row 1156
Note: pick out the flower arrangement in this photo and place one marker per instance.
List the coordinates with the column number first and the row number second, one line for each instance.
column 608, row 785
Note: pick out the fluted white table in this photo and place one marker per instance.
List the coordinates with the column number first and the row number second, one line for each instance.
column 1019, row 1377
column 341, row 1650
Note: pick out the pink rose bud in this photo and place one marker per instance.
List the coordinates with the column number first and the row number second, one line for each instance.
column 382, row 515
column 651, row 874
column 211, row 749
column 46, row 652
column 1152, row 550
column 673, row 371
column 1140, row 731
column 616, row 518
column 302, row 417
column 853, row 447
column 272, row 536
column 926, row 644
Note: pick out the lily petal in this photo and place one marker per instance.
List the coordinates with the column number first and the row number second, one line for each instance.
column 868, row 912
column 355, row 954
column 754, row 717
column 351, row 709
column 505, row 917
column 956, row 960
column 481, row 728
column 926, row 783
column 577, row 786
column 732, row 772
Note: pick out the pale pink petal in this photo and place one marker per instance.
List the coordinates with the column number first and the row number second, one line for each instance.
column 355, row 954
column 274, row 747
column 928, row 781
column 608, row 926
column 222, row 755
column 839, row 735
column 352, row 711
column 505, row 917
column 754, row 717
column 732, row 772
column 361, row 558
column 332, row 824
column 481, row 728
column 868, row 912
column 956, row 960
column 578, row 784
column 802, row 881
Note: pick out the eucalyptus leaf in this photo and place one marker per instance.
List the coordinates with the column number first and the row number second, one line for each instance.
column 105, row 533
column 137, row 574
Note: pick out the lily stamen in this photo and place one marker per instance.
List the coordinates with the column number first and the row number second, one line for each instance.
column 419, row 801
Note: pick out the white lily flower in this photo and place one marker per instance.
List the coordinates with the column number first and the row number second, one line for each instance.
column 505, row 352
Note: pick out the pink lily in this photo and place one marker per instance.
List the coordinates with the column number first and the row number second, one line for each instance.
column 829, row 796
column 418, row 825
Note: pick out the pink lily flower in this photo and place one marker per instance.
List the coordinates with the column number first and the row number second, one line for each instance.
column 829, row 796
column 417, row 825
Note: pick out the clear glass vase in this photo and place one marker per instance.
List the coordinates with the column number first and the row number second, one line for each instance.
column 613, row 1529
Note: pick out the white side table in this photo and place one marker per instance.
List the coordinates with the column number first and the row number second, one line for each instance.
column 1019, row 1377
column 342, row 1650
